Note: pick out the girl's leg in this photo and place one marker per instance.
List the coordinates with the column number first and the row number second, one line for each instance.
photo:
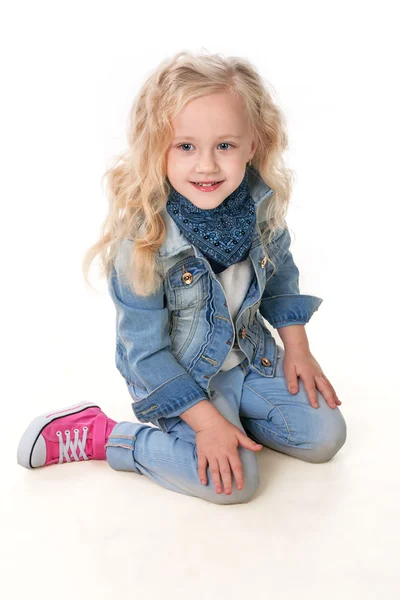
column 83, row 432
column 170, row 458
column 287, row 422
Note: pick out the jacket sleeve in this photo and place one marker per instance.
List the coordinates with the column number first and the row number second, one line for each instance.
column 142, row 330
column 281, row 303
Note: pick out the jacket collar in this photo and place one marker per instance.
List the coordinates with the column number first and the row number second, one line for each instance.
column 175, row 241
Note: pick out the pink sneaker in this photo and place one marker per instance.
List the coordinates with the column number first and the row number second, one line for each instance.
column 77, row 432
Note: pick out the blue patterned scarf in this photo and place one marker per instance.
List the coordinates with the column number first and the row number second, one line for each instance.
column 224, row 233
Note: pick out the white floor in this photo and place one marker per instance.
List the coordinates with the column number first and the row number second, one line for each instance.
column 312, row 531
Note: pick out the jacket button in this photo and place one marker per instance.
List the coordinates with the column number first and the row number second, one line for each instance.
column 265, row 362
column 263, row 262
column 243, row 332
column 187, row 277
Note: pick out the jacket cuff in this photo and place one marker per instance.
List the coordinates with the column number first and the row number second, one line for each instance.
column 169, row 399
column 289, row 309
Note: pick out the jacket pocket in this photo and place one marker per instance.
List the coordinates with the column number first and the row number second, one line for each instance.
column 187, row 283
column 184, row 326
column 172, row 325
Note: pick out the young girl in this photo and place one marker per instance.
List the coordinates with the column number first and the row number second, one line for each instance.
column 195, row 249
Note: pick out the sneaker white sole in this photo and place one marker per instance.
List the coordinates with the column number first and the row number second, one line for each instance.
column 34, row 429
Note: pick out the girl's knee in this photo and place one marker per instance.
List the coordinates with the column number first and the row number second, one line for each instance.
column 237, row 496
column 251, row 476
column 331, row 444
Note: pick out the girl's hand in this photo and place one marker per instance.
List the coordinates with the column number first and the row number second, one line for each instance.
column 217, row 444
column 300, row 362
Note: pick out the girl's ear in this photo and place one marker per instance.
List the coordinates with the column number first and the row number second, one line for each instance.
column 253, row 150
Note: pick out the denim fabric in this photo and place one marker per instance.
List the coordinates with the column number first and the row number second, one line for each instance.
column 171, row 345
column 261, row 407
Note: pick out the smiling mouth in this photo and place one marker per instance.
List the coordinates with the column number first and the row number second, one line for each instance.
column 208, row 184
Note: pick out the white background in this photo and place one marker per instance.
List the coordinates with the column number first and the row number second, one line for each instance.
column 69, row 73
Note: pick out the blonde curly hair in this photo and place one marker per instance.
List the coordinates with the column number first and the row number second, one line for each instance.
column 137, row 186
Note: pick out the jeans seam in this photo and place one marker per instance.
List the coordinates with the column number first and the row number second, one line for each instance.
column 258, row 424
column 272, row 405
column 119, row 446
column 164, row 460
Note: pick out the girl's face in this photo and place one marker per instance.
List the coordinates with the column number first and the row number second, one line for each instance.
column 211, row 143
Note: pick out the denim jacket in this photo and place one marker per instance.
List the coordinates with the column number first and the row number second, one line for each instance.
column 170, row 345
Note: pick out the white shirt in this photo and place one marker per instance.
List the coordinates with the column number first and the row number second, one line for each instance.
column 236, row 281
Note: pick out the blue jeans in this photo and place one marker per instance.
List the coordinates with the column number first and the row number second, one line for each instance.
column 261, row 407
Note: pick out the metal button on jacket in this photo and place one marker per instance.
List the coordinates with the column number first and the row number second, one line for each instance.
column 243, row 332
column 263, row 262
column 187, row 277
column 265, row 362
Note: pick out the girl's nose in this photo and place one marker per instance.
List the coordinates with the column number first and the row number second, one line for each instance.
column 207, row 164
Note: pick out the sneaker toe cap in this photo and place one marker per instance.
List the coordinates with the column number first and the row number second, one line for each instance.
column 39, row 453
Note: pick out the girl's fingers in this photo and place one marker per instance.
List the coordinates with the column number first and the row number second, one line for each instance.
column 225, row 470
column 237, row 469
column 326, row 390
column 202, row 469
column 311, row 392
column 214, row 471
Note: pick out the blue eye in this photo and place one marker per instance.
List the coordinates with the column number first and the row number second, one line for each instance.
column 225, row 144
column 222, row 143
